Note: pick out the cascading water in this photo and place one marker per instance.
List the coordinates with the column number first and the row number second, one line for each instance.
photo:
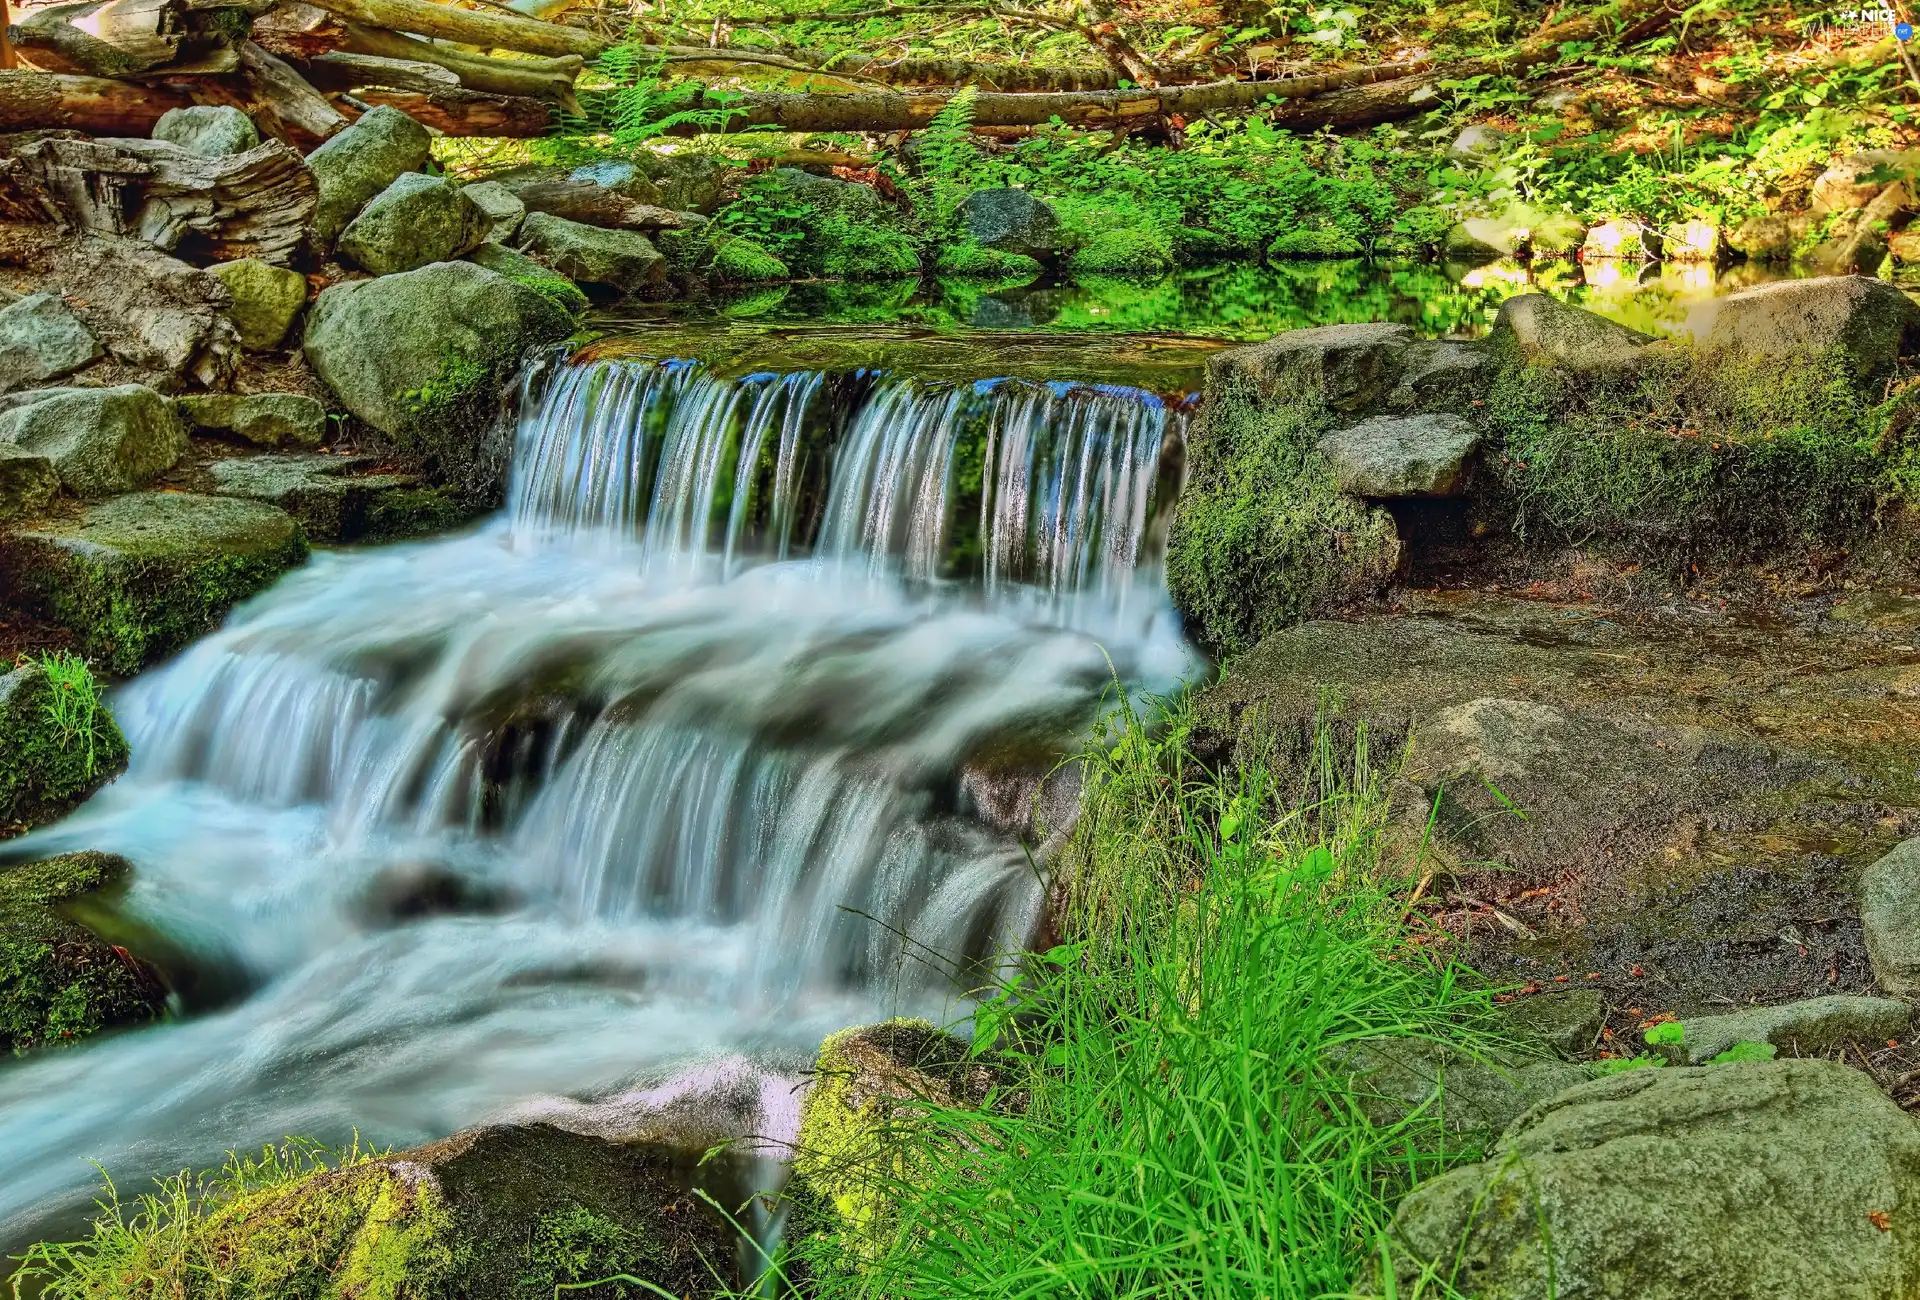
column 660, row 767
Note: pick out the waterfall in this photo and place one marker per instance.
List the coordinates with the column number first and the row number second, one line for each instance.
column 666, row 762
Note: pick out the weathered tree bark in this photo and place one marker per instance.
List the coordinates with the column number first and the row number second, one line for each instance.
column 1009, row 77
column 549, row 78
column 299, row 31
column 253, row 204
column 595, row 205
column 302, row 109
column 43, row 100
column 489, row 30
column 468, row 112
column 119, row 38
column 341, row 70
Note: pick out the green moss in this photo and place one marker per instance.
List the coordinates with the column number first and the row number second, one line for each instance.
column 1130, row 250
column 1324, row 242
column 58, row 740
column 1262, row 536
column 858, row 252
column 742, row 261
column 557, row 289
column 139, row 576
column 1674, row 461
column 401, row 513
column 58, row 981
column 973, row 260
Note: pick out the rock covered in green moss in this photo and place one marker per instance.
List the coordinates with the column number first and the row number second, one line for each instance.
column 498, row 1213
column 500, row 206
column 353, row 166
column 1010, row 221
column 59, row 982
column 622, row 260
column 267, row 300
column 139, row 576
column 58, row 741
column 41, row 339
column 845, row 230
column 423, row 357
column 264, row 419
column 1805, row 1027
column 1131, row 250
column 1319, row 241
column 538, row 276
column 27, row 483
column 1865, row 323
column 1567, row 1020
column 738, row 260
column 868, row 1083
column 1390, row 456
column 1541, row 328
column 1890, row 918
column 100, row 440
column 1347, row 367
column 971, row 260
column 1743, row 1181
column 416, row 220
column 210, row 130
column 1475, row 1096
column 342, row 498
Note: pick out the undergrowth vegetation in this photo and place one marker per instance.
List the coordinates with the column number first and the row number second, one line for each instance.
column 1173, row 1119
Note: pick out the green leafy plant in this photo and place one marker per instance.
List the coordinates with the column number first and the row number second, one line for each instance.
column 1745, row 1052
column 74, row 707
column 628, row 101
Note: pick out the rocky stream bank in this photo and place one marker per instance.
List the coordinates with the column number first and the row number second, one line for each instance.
column 1635, row 620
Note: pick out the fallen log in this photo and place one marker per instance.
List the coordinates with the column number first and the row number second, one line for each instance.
column 46, row 100
column 298, row 106
column 468, row 112
column 593, row 205
column 119, row 38
column 548, row 78
column 253, row 204
column 299, row 31
column 489, row 30
column 342, row 70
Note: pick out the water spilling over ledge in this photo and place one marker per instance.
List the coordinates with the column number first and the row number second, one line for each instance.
column 666, row 764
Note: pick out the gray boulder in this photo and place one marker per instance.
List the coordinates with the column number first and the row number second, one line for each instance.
column 361, row 161
column 628, row 179
column 28, row 482
column 266, row 300
column 687, row 181
column 1763, row 1180
column 423, row 355
column 1494, row 740
column 1867, row 324
column 1859, row 178
column 264, row 419
column 1441, row 375
column 41, row 339
column 416, row 220
column 624, row 260
column 503, row 211
column 1772, row 238
column 514, row 264
column 1812, row 1025
column 100, row 440
column 1890, row 918
column 1402, row 456
column 1567, row 1021
column 340, row 498
column 1353, row 367
column 139, row 576
column 210, row 130
column 1542, row 328
column 1394, row 1077
column 1012, row 221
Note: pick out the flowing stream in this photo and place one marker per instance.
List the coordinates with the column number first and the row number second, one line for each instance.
column 665, row 772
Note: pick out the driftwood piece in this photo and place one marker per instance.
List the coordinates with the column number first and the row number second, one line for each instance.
column 468, row 112
column 44, row 100
column 341, row 70
column 119, row 38
column 544, row 78
column 301, row 108
column 149, row 310
column 491, row 29
column 298, row 31
column 593, row 205
column 254, row 204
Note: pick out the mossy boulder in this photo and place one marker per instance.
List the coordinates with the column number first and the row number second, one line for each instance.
column 264, row 419
column 1347, row 367
column 1568, row 1021
column 1315, row 241
column 1539, row 327
column 54, row 751
column 1474, row 1096
column 423, row 357
column 845, row 230
column 686, row 180
column 1804, row 1027
column 498, row 1213
column 416, row 220
column 1402, row 456
column 1866, row 324
column 971, row 260
column 1010, row 221
column 868, row 1085
column 100, row 440
column 27, row 483
column 1130, row 250
column 59, row 982
column 621, row 260
column 267, row 300
column 353, row 166
column 500, row 206
column 737, row 260
column 139, row 576
column 210, row 130
column 342, row 498
column 1742, row 1181
column 539, row 277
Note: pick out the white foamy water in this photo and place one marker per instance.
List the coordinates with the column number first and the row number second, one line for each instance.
column 675, row 742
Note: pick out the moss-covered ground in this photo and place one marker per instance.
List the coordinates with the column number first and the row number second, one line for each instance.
column 59, row 982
